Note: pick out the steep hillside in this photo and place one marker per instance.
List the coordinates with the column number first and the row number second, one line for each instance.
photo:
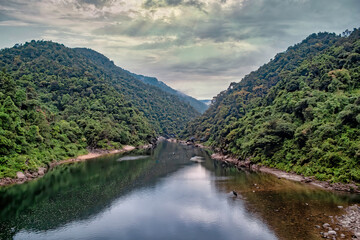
column 56, row 102
column 299, row 112
column 165, row 112
column 198, row 105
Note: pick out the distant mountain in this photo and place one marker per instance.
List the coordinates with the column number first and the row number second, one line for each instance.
column 206, row 101
column 198, row 105
column 300, row 112
column 55, row 102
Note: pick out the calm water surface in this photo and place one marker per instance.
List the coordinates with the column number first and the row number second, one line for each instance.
column 164, row 196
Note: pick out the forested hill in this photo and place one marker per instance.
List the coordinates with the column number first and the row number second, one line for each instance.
column 153, row 83
column 166, row 112
column 198, row 105
column 299, row 112
column 55, row 102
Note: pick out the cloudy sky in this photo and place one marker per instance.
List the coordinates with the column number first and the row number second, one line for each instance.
column 195, row 46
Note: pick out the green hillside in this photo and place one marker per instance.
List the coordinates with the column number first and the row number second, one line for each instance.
column 198, row 105
column 300, row 112
column 56, row 102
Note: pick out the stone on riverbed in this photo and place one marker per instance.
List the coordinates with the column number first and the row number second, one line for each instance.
column 326, row 225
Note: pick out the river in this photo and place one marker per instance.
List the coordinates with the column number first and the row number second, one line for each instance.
column 163, row 195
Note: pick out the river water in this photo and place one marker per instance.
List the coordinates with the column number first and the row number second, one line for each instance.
column 164, row 195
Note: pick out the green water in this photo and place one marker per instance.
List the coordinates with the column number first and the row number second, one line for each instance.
column 164, row 196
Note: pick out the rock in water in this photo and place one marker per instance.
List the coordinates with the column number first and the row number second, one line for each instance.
column 235, row 193
column 197, row 159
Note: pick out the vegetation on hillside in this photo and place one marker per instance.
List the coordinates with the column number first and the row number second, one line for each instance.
column 300, row 112
column 199, row 106
column 55, row 103
column 166, row 112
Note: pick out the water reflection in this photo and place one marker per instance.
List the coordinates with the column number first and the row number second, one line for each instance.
column 162, row 196
column 184, row 205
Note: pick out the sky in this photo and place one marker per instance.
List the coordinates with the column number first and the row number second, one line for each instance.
column 196, row 46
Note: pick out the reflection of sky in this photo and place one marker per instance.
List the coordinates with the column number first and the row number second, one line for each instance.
column 181, row 206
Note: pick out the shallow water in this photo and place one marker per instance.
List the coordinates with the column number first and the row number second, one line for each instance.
column 164, row 196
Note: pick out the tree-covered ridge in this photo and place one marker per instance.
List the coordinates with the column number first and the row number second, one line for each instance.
column 233, row 103
column 300, row 112
column 55, row 103
column 198, row 105
column 165, row 111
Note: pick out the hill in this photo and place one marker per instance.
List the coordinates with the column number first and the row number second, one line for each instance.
column 165, row 112
column 198, row 105
column 55, row 102
column 299, row 112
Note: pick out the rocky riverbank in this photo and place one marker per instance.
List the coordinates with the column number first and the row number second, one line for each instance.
column 27, row 175
column 345, row 226
column 247, row 164
column 351, row 220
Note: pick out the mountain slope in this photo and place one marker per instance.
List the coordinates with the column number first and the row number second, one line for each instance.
column 198, row 105
column 166, row 112
column 55, row 102
column 299, row 112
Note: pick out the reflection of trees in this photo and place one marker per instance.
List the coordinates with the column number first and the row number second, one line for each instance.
column 82, row 190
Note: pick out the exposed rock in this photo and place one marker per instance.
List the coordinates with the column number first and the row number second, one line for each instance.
column 351, row 220
column 41, row 171
column 28, row 175
column 20, row 175
column 326, row 225
column 307, row 180
column 331, row 233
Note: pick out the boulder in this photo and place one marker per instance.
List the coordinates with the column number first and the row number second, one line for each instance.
column 41, row 171
column 28, row 175
column 20, row 175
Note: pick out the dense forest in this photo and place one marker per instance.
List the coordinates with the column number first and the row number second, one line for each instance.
column 56, row 102
column 300, row 112
column 197, row 104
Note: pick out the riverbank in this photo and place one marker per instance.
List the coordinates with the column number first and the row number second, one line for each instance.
column 247, row 164
column 26, row 176
column 344, row 226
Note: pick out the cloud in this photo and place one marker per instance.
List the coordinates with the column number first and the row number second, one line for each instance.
column 172, row 3
column 209, row 43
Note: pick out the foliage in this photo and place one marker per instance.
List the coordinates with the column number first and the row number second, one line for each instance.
column 55, row 102
column 300, row 112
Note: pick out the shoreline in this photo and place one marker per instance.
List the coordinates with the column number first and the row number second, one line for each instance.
column 248, row 165
column 349, row 219
column 27, row 176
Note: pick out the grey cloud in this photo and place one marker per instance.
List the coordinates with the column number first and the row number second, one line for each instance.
column 172, row 3
column 97, row 3
column 160, row 45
